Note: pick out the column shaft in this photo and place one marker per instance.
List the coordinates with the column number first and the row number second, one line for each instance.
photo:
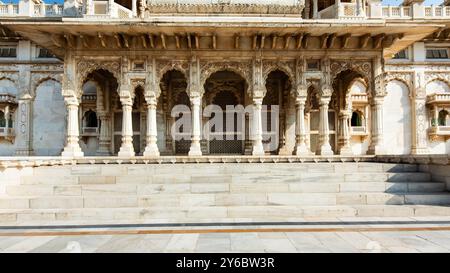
column 300, row 130
column 344, row 133
column 324, row 131
column 72, row 148
column 151, row 148
column 258, row 148
column 376, row 146
column 195, row 149
column 127, row 149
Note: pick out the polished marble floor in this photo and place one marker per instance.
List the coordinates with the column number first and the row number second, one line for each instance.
column 367, row 238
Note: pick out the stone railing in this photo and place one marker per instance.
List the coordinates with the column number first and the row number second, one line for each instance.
column 438, row 98
column 7, row 98
column 360, row 98
column 110, row 9
column 342, row 11
column 45, row 10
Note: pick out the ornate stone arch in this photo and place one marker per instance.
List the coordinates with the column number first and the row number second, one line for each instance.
column 165, row 66
column 285, row 67
column 39, row 78
column 10, row 76
column 85, row 67
column 243, row 69
column 364, row 68
column 211, row 95
column 436, row 76
column 405, row 78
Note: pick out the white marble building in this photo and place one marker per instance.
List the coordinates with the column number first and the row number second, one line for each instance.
column 105, row 76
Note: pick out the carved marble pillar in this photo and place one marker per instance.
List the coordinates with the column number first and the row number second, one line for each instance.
column 24, row 126
column 376, row 145
column 300, row 129
column 257, row 148
column 104, row 142
column 72, row 148
column 195, row 149
column 418, row 108
column 419, row 136
column 324, row 147
column 126, row 148
column 151, row 148
column 344, row 133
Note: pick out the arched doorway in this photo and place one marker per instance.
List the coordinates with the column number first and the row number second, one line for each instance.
column 174, row 104
column 100, row 99
column 274, row 112
column 351, row 109
column 312, row 118
column 226, row 90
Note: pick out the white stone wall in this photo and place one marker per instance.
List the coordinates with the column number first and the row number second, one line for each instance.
column 8, row 148
column 49, row 119
column 397, row 119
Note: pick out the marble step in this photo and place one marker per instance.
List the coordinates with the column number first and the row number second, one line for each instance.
column 223, row 199
column 220, row 168
column 211, row 214
column 262, row 177
column 245, row 187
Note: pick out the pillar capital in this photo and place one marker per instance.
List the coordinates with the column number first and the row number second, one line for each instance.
column 195, row 99
column 324, row 100
column 378, row 100
column 300, row 100
column 151, row 100
column 126, row 101
column 71, row 101
column 257, row 100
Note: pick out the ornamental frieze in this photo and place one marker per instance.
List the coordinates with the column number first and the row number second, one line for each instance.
column 47, row 67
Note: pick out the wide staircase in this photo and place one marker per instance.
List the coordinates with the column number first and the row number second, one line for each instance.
column 219, row 192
